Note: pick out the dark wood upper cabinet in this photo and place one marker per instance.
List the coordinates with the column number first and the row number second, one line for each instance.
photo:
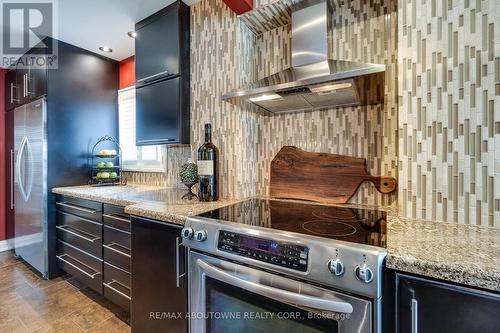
column 27, row 80
column 36, row 75
column 11, row 89
column 162, row 77
column 157, row 115
column 157, row 46
column 435, row 307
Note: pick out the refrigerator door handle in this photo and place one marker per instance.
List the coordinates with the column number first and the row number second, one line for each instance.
column 19, row 158
column 32, row 168
column 12, row 179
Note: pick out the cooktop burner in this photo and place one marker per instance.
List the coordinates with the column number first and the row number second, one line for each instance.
column 356, row 225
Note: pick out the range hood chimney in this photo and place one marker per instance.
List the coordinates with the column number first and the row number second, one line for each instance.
column 314, row 81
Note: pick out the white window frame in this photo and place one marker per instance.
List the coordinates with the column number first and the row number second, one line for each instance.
column 133, row 156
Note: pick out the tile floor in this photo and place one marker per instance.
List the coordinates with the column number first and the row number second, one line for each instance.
column 29, row 303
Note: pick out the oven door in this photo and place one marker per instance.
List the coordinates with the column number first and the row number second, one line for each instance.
column 228, row 297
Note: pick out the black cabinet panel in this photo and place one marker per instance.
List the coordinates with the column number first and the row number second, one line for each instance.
column 435, row 307
column 163, row 77
column 157, row 46
column 157, row 116
column 155, row 251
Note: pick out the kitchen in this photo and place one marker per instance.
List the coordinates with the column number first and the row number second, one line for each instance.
column 267, row 165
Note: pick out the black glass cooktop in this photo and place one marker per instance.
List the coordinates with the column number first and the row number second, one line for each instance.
column 356, row 225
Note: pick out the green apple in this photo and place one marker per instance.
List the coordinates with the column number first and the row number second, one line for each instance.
column 104, row 175
column 109, row 164
column 101, row 164
column 113, row 175
column 98, row 175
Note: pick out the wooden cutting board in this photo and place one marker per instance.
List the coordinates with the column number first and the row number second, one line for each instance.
column 321, row 177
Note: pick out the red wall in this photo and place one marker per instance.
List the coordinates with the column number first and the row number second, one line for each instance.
column 2, row 156
column 127, row 72
column 239, row 6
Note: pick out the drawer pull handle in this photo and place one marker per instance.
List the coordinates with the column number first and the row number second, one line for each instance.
column 155, row 140
column 86, row 210
column 62, row 258
column 108, row 285
column 117, row 230
column 116, row 217
column 151, row 77
column 111, row 247
column 69, row 231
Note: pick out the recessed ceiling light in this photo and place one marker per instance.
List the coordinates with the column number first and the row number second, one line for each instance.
column 132, row 34
column 106, row 49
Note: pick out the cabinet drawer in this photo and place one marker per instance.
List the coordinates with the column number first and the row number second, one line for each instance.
column 88, row 276
column 77, row 254
column 115, row 217
column 116, row 236
column 117, row 285
column 117, row 293
column 113, row 273
column 84, row 208
column 116, row 247
column 78, row 223
column 81, row 240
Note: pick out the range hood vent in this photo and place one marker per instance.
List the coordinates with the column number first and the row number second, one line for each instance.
column 314, row 81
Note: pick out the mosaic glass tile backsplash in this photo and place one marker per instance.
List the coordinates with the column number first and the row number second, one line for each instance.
column 436, row 131
column 449, row 113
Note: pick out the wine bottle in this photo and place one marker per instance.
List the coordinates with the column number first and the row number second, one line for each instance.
column 207, row 168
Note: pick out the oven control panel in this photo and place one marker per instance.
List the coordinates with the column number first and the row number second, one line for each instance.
column 277, row 253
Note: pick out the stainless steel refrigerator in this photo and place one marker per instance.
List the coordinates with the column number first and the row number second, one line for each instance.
column 30, row 184
column 65, row 109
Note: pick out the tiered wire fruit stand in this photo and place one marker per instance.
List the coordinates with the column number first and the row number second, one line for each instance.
column 106, row 162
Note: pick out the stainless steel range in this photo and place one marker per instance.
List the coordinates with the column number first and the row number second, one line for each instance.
column 285, row 266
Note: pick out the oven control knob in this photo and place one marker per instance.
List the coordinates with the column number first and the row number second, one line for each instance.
column 336, row 267
column 187, row 233
column 200, row 235
column 364, row 273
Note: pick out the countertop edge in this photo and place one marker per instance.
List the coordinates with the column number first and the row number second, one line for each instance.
column 93, row 197
column 471, row 277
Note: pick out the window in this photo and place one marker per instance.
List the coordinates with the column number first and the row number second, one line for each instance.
column 149, row 158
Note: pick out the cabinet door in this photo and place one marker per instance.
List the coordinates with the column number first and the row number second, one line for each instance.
column 11, row 90
column 428, row 306
column 156, row 286
column 36, row 75
column 157, row 46
column 158, row 113
column 22, row 83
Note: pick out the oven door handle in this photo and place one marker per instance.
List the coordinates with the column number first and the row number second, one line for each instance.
column 274, row 293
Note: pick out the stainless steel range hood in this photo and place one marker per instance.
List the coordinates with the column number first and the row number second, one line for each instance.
column 314, row 81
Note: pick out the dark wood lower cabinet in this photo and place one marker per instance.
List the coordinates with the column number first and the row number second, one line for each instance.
column 429, row 306
column 159, row 288
column 93, row 245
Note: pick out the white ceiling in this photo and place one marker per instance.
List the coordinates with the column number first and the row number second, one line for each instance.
column 93, row 23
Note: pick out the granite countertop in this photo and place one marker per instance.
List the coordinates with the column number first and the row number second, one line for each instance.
column 464, row 254
column 459, row 253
